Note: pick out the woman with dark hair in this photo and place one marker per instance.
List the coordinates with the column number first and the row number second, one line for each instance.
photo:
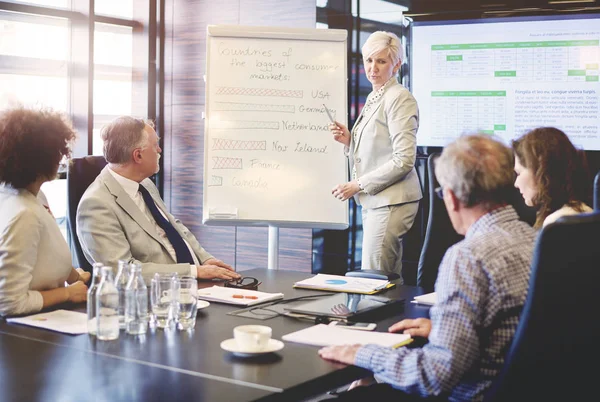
column 35, row 261
column 552, row 175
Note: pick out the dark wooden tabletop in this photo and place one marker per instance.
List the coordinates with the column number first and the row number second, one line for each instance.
column 37, row 371
column 37, row 364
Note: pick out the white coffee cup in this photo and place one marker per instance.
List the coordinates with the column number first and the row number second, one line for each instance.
column 252, row 338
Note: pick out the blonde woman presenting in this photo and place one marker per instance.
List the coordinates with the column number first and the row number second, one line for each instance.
column 381, row 150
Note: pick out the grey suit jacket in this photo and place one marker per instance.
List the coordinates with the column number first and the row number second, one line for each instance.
column 383, row 150
column 111, row 227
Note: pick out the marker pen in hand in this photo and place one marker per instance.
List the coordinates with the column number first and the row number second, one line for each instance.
column 329, row 114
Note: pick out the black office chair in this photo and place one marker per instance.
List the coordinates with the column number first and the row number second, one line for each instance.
column 556, row 349
column 439, row 235
column 597, row 192
column 80, row 174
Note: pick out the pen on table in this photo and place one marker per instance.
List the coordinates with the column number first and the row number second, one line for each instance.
column 244, row 297
column 329, row 114
column 421, row 303
column 403, row 343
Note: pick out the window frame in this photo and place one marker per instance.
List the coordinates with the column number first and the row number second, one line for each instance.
column 148, row 43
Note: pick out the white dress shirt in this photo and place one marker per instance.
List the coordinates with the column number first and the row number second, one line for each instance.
column 132, row 189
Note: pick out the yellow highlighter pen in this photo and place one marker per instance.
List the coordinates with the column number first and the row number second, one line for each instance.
column 403, row 343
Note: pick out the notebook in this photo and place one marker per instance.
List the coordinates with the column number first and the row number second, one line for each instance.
column 428, row 299
column 325, row 335
column 348, row 284
column 239, row 297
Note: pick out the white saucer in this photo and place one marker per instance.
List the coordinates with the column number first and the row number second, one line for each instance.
column 202, row 304
column 230, row 345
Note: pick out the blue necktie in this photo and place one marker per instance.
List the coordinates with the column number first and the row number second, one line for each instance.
column 181, row 249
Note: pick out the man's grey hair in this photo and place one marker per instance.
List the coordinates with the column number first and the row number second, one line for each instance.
column 121, row 136
column 478, row 169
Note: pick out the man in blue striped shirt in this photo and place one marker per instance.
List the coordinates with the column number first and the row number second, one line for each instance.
column 481, row 288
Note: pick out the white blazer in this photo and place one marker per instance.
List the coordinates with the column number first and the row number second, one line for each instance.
column 34, row 255
column 383, row 150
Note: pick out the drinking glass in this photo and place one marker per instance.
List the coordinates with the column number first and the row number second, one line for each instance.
column 164, row 305
column 187, row 303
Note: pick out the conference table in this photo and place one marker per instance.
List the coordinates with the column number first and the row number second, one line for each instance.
column 42, row 365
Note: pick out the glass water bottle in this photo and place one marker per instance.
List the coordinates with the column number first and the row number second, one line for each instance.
column 121, row 281
column 136, row 302
column 107, row 306
column 91, row 298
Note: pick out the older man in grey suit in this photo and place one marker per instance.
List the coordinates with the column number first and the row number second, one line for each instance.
column 121, row 215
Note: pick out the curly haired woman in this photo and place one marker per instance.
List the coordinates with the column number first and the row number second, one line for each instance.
column 35, row 261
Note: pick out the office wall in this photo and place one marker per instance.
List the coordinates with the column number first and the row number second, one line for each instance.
column 185, row 57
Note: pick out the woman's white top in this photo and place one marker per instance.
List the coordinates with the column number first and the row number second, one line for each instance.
column 565, row 211
column 34, row 255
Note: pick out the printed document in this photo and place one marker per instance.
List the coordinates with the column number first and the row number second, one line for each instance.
column 348, row 284
column 68, row 322
column 325, row 335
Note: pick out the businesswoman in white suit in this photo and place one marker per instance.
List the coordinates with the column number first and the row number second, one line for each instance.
column 381, row 150
column 35, row 261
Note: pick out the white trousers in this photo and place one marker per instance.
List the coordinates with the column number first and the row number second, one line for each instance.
column 383, row 229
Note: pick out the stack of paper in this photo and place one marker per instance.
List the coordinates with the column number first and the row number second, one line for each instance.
column 348, row 284
column 325, row 335
column 240, row 297
column 69, row 322
column 428, row 299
